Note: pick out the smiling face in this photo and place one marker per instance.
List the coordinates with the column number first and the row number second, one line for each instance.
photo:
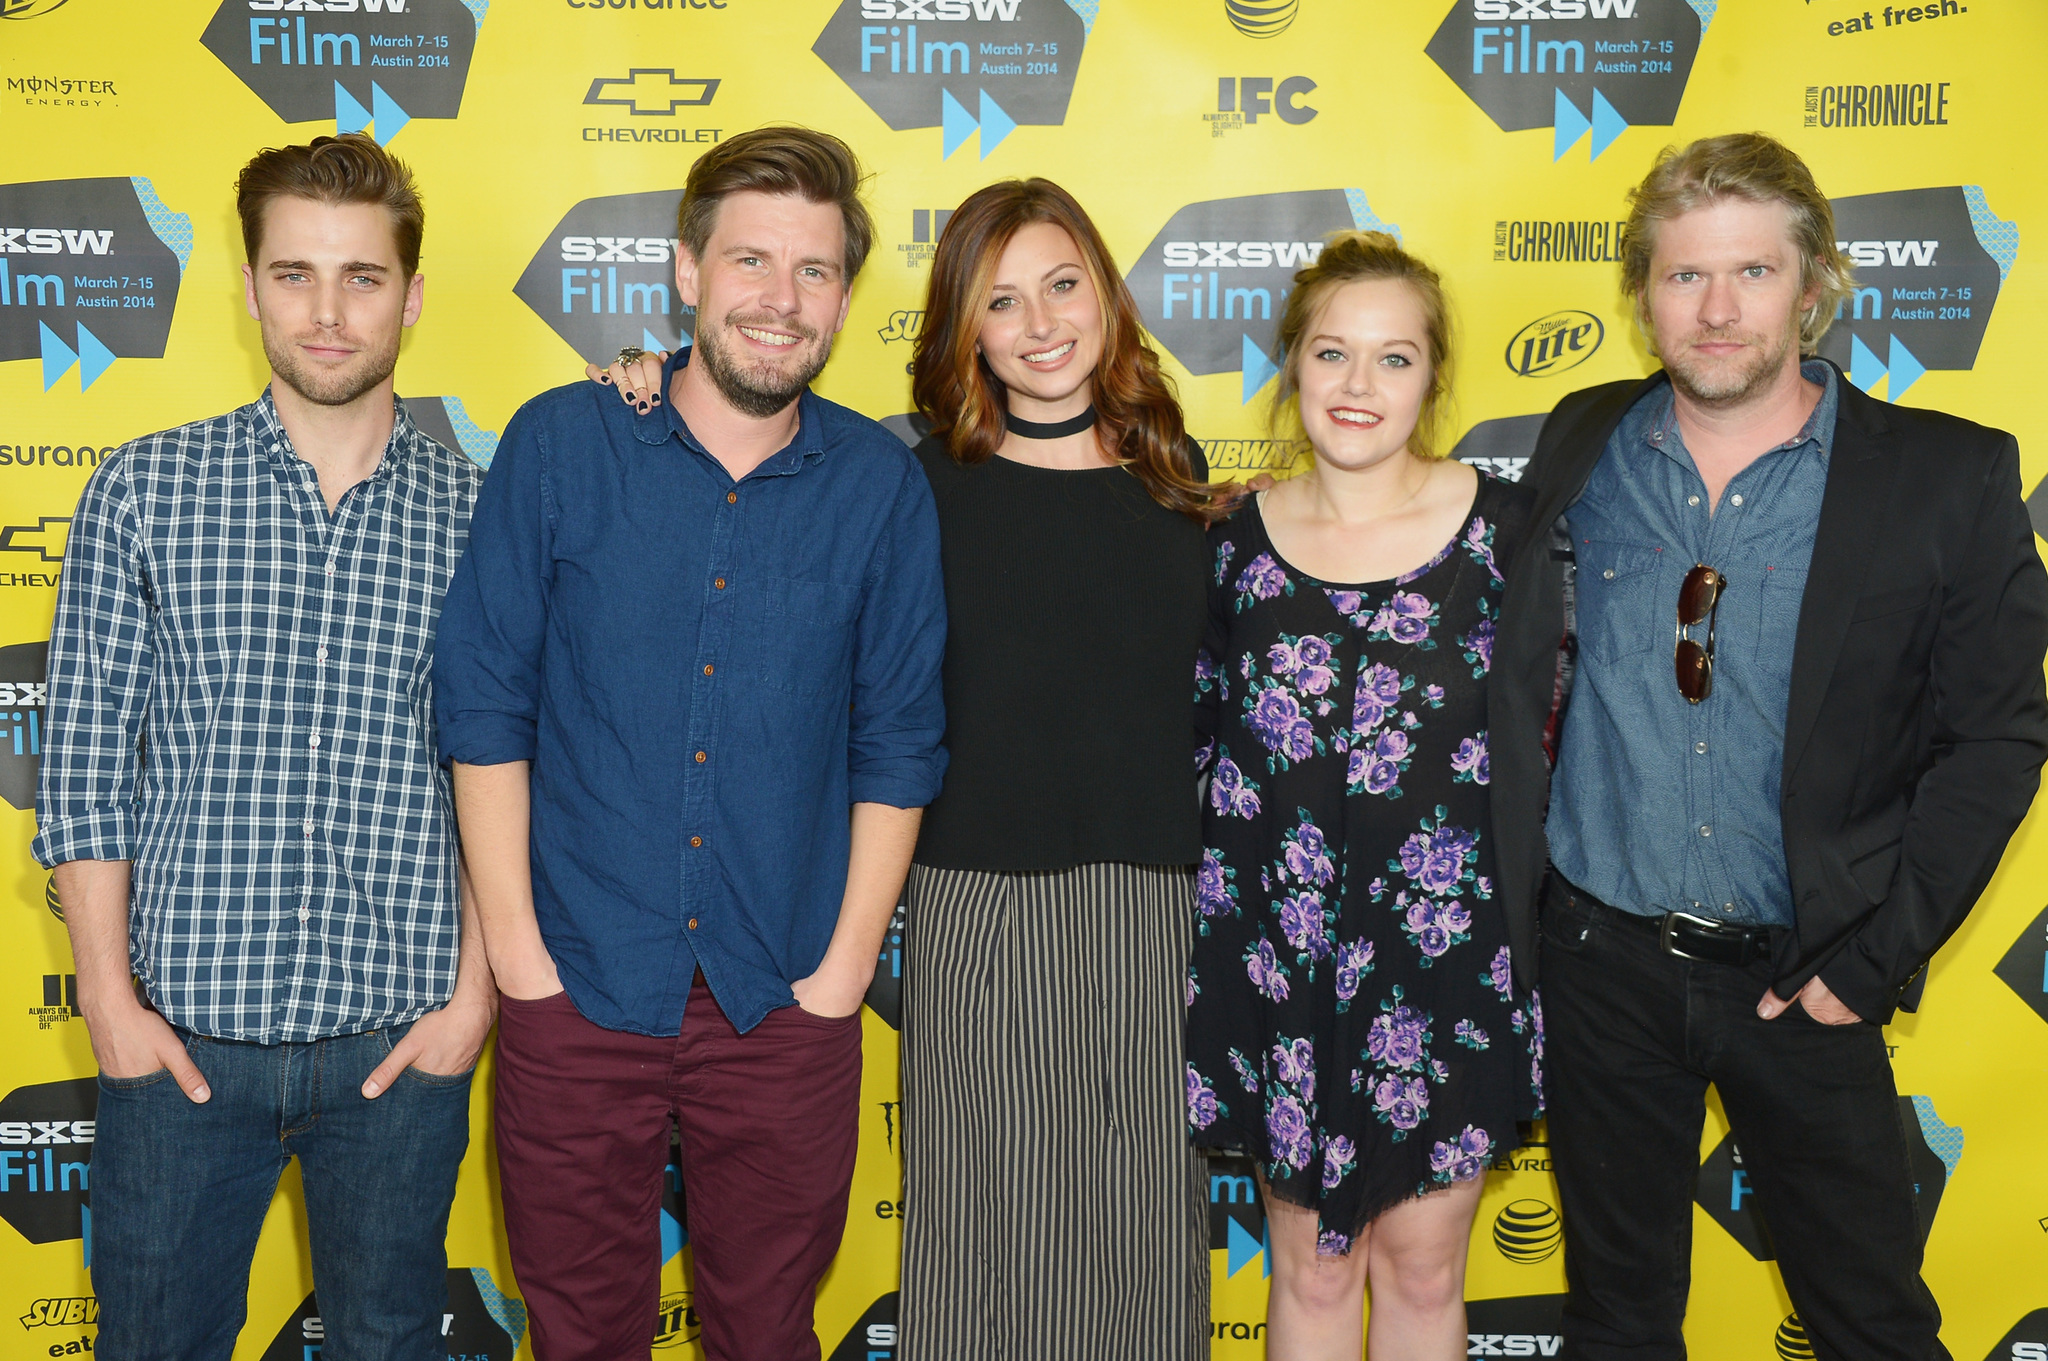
column 1723, row 300
column 331, row 295
column 770, row 292
column 1364, row 373
column 1042, row 331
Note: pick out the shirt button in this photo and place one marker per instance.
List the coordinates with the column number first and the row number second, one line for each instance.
column 693, row 923
column 305, row 915
column 330, row 569
column 707, row 668
column 732, row 498
column 307, row 825
column 700, row 758
column 1608, row 574
column 1735, row 500
column 1700, row 747
column 321, row 654
column 719, row 583
column 696, row 841
column 1706, row 829
column 1727, row 907
column 1693, row 500
column 313, row 741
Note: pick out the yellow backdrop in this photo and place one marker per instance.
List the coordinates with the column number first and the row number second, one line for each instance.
column 1215, row 142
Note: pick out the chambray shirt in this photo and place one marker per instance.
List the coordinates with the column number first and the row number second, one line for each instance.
column 706, row 674
column 1660, row 805
column 240, row 704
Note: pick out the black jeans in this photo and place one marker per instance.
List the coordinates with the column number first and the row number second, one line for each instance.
column 1634, row 1036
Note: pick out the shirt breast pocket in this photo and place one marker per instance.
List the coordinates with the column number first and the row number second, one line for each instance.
column 796, row 636
column 1617, row 593
column 1777, row 614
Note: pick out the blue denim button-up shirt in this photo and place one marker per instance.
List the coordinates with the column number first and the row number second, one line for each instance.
column 1660, row 805
column 705, row 674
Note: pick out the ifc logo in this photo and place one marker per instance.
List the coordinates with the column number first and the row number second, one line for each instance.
column 1528, row 1232
column 1261, row 18
column 1792, row 1343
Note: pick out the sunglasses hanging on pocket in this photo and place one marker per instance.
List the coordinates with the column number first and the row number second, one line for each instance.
column 1699, row 600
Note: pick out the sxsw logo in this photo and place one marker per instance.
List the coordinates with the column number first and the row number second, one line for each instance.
column 1573, row 66
column 959, row 65
column 370, row 65
column 2026, row 1341
column 23, row 671
column 481, row 1323
column 46, row 1137
column 1242, row 100
column 872, row 1336
column 650, row 92
column 1518, row 1325
column 1212, row 283
column 1929, row 264
column 605, row 276
column 89, row 273
column 1727, row 1192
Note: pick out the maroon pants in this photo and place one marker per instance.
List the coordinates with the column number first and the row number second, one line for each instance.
column 769, row 1123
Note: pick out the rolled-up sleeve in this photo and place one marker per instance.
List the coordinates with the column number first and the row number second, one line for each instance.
column 894, row 751
column 487, row 656
column 99, row 674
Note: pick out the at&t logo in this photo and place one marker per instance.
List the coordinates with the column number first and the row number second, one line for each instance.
column 1555, row 343
column 1527, row 1231
column 1261, row 18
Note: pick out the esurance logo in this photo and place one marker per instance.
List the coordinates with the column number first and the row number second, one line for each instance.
column 24, row 691
column 1574, row 66
column 1212, row 283
column 1929, row 264
column 1726, row 1192
column 1555, row 343
column 481, row 1323
column 605, row 276
column 370, row 65
column 89, row 273
column 959, row 65
column 46, row 1137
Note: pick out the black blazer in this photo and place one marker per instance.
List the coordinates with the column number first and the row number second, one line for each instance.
column 1918, row 716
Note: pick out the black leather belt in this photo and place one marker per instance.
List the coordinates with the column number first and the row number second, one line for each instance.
column 1687, row 936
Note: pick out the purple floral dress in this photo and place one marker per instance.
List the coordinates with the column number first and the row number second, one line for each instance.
column 1352, row 1018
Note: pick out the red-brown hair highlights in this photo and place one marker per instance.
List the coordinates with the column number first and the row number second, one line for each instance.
column 954, row 388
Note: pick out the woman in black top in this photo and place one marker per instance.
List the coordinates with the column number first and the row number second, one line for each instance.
column 1053, row 1206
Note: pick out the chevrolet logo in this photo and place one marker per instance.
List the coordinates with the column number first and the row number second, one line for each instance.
column 651, row 93
column 52, row 530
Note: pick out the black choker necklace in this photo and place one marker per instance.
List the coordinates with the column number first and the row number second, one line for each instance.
column 1053, row 430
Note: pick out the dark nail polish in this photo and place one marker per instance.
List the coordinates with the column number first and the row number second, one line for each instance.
column 644, row 408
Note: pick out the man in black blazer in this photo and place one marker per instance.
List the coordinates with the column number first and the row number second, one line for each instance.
column 1783, row 648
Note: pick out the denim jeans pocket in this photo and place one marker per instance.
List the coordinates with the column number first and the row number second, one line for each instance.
column 390, row 1035
column 133, row 1084
column 1567, row 922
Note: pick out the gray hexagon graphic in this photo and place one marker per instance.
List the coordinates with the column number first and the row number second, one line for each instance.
column 605, row 276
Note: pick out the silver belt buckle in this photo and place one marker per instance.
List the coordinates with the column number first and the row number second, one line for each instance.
column 1671, row 920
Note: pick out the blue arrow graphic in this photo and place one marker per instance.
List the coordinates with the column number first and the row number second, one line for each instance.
column 995, row 125
column 390, row 119
column 1258, row 370
column 955, row 122
column 1865, row 368
column 1906, row 371
column 57, row 356
column 650, row 344
column 673, row 1236
column 94, row 358
column 1571, row 126
column 1607, row 124
column 349, row 113
column 1243, row 1247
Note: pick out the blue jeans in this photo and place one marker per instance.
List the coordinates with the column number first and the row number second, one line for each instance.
column 179, row 1193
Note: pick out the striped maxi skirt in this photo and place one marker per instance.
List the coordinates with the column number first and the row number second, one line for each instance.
column 1053, row 1206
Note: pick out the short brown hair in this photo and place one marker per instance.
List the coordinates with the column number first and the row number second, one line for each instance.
column 955, row 389
column 1744, row 165
column 350, row 168
column 1353, row 257
column 815, row 166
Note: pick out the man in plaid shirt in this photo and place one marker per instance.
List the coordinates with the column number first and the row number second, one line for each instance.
column 242, row 805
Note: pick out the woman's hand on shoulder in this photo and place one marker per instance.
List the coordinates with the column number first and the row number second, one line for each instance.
column 639, row 383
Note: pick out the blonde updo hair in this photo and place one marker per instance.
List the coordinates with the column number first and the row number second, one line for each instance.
column 1353, row 257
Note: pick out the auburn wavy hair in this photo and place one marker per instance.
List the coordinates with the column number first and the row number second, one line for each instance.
column 1136, row 411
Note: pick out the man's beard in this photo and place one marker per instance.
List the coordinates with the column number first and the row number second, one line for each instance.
column 1761, row 361
column 762, row 389
column 337, row 387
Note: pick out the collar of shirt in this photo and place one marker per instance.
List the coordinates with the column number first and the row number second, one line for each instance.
column 1659, row 429
column 276, row 441
column 659, row 424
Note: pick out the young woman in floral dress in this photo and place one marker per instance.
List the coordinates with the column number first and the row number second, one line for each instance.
column 1352, row 1021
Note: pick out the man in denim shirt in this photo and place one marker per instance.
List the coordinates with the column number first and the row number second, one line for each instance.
column 1805, row 714
column 689, row 637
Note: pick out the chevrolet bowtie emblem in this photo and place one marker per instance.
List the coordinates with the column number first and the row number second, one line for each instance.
column 651, row 93
column 45, row 538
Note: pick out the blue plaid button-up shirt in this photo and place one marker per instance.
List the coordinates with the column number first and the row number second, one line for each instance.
column 240, row 703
